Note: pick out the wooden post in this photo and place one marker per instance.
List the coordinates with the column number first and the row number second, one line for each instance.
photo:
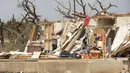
column 48, row 28
column 104, row 44
column 50, row 36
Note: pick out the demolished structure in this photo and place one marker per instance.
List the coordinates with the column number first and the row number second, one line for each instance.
column 103, row 32
column 98, row 37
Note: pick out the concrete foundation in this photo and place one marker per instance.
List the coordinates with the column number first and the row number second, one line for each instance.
column 61, row 66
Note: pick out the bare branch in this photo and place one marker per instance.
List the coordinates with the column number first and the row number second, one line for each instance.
column 110, row 5
column 93, row 8
column 21, row 22
column 100, row 4
column 59, row 10
column 80, row 15
column 65, row 14
column 81, row 3
column 62, row 5
column 68, row 12
column 24, row 17
column 30, row 10
column 69, row 8
column 11, row 30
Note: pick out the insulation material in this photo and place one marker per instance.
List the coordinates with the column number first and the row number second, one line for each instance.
column 58, row 26
column 120, row 36
column 123, row 20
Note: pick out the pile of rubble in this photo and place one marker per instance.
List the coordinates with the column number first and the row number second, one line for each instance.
column 96, row 37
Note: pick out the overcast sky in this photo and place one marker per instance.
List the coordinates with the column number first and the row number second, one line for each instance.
column 46, row 8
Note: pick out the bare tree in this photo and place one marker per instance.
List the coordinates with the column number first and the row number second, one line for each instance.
column 69, row 13
column 30, row 10
column 17, row 32
column 101, row 6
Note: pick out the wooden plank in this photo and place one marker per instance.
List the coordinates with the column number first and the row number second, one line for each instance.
column 51, row 30
column 45, row 36
column 104, row 44
column 36, row 55
column 71, row 44
column 32, row 33
column 22, row 57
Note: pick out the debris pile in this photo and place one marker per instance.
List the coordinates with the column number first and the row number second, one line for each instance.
column 95, row 37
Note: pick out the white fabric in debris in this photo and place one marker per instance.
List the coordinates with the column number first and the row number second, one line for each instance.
column 120, row 36
column 92, row 22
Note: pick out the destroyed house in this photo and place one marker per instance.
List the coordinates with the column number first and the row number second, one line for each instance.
column 117, row 31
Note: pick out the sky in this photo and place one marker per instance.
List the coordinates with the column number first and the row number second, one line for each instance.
column 46, row 8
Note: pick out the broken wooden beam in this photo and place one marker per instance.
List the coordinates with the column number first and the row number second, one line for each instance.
column 71, row 44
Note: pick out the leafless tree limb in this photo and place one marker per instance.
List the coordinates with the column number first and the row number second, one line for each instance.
column 21, row 22
column 30, row 10
column 93, row 8
column 83, row 5
column 62, row 5
column 110, row 5
column 80, row 15
column 11, row 30
column 65, row 14
column 69, row 8
column 100, row 4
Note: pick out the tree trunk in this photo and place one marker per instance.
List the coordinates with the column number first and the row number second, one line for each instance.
column 1, row 33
